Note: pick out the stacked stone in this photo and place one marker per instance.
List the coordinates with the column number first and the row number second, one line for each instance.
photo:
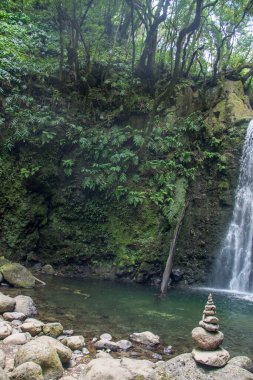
column 208, row 339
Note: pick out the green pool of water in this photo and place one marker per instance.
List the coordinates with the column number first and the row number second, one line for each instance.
column 92, row 307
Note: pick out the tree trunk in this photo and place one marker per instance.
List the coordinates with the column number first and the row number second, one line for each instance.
column 169, row 263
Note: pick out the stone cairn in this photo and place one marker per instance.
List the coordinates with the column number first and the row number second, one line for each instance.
column 208, row 338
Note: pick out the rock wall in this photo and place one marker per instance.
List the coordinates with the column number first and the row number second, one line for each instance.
column 48, row 218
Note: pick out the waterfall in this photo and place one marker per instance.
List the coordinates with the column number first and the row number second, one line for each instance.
column 234, row 267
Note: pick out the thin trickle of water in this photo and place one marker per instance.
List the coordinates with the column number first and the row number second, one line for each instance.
column 234, row 269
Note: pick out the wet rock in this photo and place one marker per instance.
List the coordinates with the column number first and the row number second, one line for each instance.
column 74, row 342
column 5, row 330
column 106, row 344
column 157, row 356
column 177, row 275
column 17, row 339
column 115, row 369
column 6, row 303
column 53, row 329
column 11, row 316
column 17, row 275
column 217, row 358
column 48, row 269
column 243, row 362
column 146, row 338
column 27, row 371
column 25, row 305
column 2, row 358
column 206, row 340
column 105, row 337
column 68, row 332
column 184, row 367
column 124, row 344
column 168, row 350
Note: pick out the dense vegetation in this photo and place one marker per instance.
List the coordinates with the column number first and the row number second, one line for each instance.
column 103, row 125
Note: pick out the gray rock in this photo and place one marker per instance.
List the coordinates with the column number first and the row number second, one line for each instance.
column 48, row 353
column 25, row 305
column 33, row 326
column 117, row 369
column 168, row 350
column 6, row 303
column 48, row 269
column 106, row 344
column 184, row 367
column 85, row 351
column 3, row 375
column 207, row 340
column 1, row 277
column 17, row 339
column 53, row 329
column 157, row 356
column 11, row 316
column 105, row 337
column 243, row 362
column 5, row 330
column 146, row 338
column 217, row 358
column 27, row 371
column 124, row 344
column 2, row 359
column 74, row 342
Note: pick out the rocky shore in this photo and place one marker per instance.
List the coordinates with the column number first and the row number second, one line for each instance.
column 31, row 349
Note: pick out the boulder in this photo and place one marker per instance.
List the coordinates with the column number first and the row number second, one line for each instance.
column 2, row 359
column 48, row 269
column 243, row 362
column 217, row 358
column 184, row 367
column 115, row 369
column 3, row 375
column 33, row 326
column 17, row 339
column 207, row 340
column 42, row 353
column 64, row 352
column 6, row 303
column 11, row 316
column 25, row 305
column 53, row 329
column 5, row 330
column 27, row 371
column 17, row 275
column 146, row 338
column 74, row 342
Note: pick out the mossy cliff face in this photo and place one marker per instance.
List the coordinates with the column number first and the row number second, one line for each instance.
column 48, row 217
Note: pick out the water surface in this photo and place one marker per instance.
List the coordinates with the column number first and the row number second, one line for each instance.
column 92, row 307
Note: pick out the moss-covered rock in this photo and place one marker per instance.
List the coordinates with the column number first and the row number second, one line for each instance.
column 17, row 275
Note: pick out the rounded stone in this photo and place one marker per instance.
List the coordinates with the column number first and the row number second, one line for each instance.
column 217, row 358
column 6, row 303
column 207, row 340
column 105, row 337
column 14, row 316
column 27, row 371
column 211, row 319
column 209, row 312
column 209, row 326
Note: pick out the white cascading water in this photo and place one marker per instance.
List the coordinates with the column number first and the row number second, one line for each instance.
column 234, row 270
